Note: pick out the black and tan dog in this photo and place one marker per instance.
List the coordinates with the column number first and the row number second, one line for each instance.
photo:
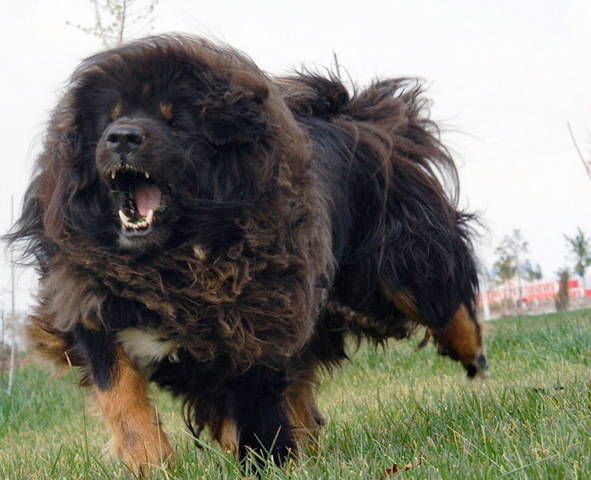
column 202, row 225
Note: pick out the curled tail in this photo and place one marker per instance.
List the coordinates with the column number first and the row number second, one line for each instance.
column 390, row 117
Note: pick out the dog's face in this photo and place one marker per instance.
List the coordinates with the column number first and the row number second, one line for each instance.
column 138, row 157
column 158, row 131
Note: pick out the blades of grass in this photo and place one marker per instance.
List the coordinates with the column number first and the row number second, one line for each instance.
column 475, row 447
column 98, row 462
column 57, row 457
column 519, row 469
column 217, row 453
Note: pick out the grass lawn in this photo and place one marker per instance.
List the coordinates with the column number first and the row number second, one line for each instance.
column 530, row 420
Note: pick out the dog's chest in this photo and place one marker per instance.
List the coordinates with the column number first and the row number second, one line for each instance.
column 146, row 347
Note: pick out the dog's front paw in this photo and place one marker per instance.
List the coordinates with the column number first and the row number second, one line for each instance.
column 141, row 448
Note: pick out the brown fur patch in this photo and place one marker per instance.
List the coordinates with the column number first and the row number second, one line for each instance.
column 226, row 434
column 138, row 439
column 301, row 409
column 404, row 302
column 463, row 336
column 116, row 111
column 48, row 344
column 166, row 111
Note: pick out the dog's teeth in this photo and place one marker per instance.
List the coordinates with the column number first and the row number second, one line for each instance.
column 124, row 218
column 113, row 174
column 147, row 175
column 137, row 224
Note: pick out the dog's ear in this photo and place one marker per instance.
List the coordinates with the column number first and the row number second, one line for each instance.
column 236, row 115
column 61, row 177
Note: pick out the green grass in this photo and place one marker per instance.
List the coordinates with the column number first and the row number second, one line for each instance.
column 530, row 420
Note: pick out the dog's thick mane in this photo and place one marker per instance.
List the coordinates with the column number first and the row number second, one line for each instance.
column 245, row 313
column 54, row 209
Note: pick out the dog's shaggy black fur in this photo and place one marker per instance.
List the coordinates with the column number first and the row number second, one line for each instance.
column 241, row 227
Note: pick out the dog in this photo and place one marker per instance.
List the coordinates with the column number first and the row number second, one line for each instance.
column 200, row 224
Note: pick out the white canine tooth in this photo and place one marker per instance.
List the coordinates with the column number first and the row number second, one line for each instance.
column 147, row 175
column 124, row 218
column 149, row 217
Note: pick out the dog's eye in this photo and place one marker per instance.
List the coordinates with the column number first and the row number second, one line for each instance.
column 172, row 123
column 166, row 114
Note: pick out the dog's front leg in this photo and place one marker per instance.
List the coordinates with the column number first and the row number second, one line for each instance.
column 262, row 422
column 121, row 394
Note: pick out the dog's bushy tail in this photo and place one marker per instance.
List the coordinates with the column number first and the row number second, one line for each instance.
column 418, row 240
column 390, row 117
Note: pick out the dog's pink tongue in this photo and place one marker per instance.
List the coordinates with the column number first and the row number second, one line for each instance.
column 147, row 197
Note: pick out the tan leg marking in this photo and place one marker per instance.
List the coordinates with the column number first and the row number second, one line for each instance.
column 302, row 411
column 462, row 335
column 225, row 432
column 46, row 344
column 138, row 438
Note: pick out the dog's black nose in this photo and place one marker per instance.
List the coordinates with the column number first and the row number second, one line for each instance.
column 124, row 138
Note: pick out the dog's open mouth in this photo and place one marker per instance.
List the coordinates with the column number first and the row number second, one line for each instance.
column 141, row 199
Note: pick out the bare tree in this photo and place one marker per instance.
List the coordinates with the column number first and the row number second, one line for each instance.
column 2, row 348
column 485, row 278
column 504, row 271
column 114, row 18
column 586, row 162
column 511, row 251
column 561, row 300
column 13, row 325
column 12, row 317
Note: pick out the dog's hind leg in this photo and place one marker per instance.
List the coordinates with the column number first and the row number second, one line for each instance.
column 302, row 410
column 460, row 337
column 121, row 394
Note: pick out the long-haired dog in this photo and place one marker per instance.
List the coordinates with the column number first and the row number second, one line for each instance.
column 202, row 225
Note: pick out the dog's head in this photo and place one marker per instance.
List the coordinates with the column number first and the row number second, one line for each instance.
column 149, row 131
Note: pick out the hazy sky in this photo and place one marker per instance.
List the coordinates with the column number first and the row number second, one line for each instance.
column 505, row 77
